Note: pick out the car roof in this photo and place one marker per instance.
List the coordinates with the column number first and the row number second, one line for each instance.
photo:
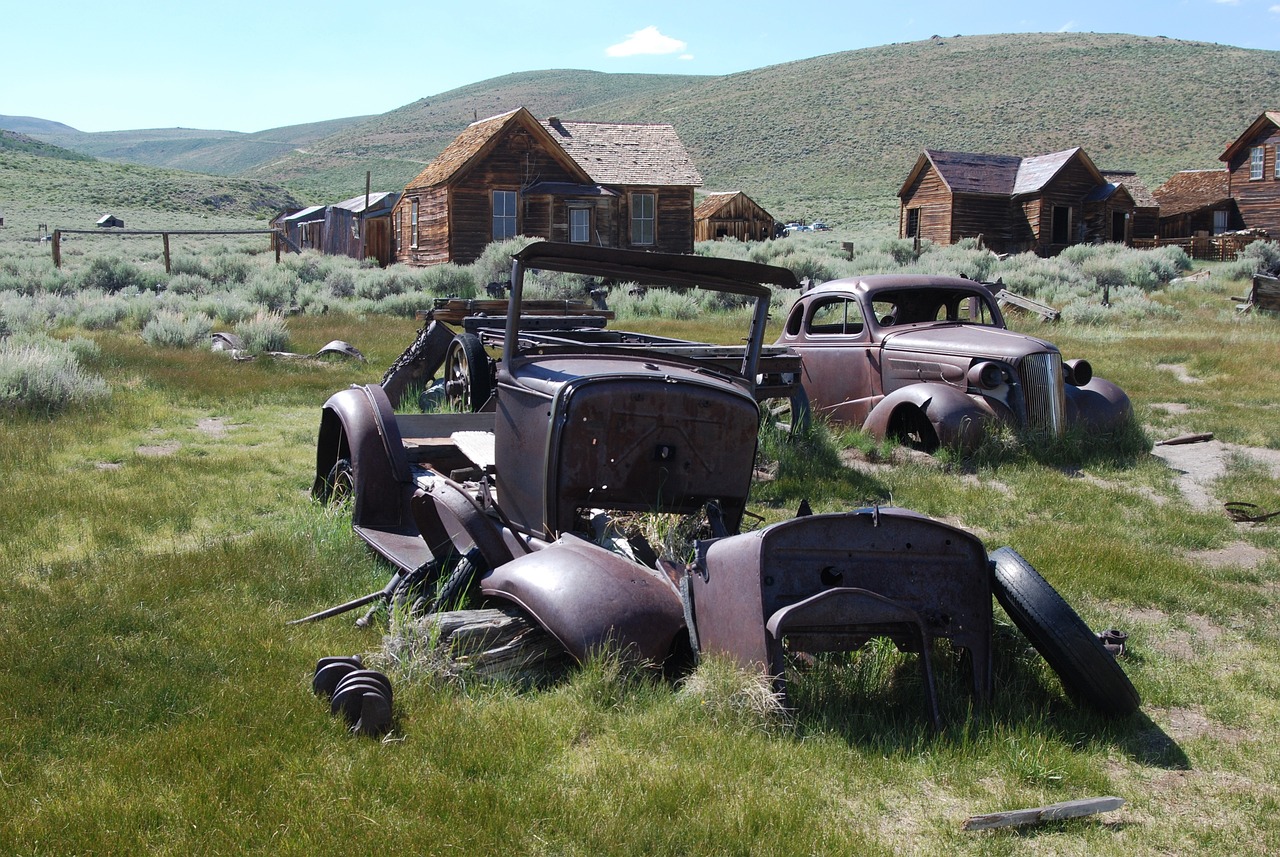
column 881, row 282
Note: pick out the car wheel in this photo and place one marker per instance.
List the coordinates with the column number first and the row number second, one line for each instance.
column 910, row 427
column 1088, row 672
column 450, row 594
column 466, row 373
column 340, row 484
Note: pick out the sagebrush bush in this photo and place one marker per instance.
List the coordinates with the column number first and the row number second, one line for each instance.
column 43, row 375
column 272, row 288
column 494, row 264
column 169, row 329
column 266, row 331
column 112, row 274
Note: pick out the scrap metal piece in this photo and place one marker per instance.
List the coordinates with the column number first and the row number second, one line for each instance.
column 339, row 347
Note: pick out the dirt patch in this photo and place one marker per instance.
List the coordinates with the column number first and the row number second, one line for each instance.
column 1172, row 408
column 1199, row 465
column 159, row 450
column 107, row 465
column 1234, row 555
column 1186, row 724
column 216, row 426
column 1180, row 372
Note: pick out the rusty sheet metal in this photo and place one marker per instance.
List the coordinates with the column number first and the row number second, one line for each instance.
column 590, row 598
column 935, row 571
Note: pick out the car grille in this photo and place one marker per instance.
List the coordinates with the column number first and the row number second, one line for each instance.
column 1042, row 389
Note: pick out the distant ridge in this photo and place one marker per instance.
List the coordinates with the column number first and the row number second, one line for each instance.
column 830, row 137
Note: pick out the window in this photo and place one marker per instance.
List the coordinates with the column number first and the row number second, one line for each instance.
column 642, row 218
column 1220, row 221
column 504, row 214
column 1275, row 161
column 1061, row 225
column 1257, row 157
column 580, row 225
column 413, row 224
column 835, row 316
column 913, row 222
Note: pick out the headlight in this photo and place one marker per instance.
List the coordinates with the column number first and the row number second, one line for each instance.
column 1077, row 372
column 986, row 375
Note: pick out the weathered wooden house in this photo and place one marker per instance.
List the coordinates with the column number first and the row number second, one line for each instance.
column 1041, row 204
column 360, row 227
column 607, row 184
column 1197, row 202
column 303, row 230
column 731, row 214
column 1253, row 174
column 110, row 221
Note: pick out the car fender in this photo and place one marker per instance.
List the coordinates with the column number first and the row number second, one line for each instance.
column 1099, row 404
column 591, row 599
column 359, row 424
column 957, row 417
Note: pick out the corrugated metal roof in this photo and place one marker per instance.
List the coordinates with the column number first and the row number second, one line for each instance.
column 376, row 201
column 626, row 154
column 1190, row 190
column 305, row 214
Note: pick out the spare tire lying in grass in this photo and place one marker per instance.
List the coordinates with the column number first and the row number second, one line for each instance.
column 1088, row 672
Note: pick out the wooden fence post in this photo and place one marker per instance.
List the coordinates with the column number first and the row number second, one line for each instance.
column 57, row 248
column 165, row 236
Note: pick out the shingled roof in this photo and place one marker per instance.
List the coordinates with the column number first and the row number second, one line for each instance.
column 615, row 153
column 1132, row 185
column 479, row 137
column 996, row 175
column 1271, row 117
column 1191, row 190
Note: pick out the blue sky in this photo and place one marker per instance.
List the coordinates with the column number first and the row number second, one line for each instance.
column 249, row 66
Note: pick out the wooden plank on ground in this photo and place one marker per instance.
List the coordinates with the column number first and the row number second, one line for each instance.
column 1043, row 814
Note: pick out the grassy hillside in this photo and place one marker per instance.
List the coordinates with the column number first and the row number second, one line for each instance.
column 38, row 188
column 830, row 137
column 11, row 141
column 834, row 136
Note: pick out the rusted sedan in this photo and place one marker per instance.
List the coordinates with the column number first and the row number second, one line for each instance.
column 929, row 360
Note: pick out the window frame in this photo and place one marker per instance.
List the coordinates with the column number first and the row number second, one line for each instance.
column 1257, row 163
column 511, row 218
column 583, row 210
column 913, row 222
column 639, row 220
column 413, row 224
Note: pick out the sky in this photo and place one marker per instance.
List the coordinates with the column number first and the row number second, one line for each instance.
column 252, row 65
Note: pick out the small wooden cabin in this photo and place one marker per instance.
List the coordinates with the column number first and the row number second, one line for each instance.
column 1042, row 204
column 606, row 184
column 1197, row 202
column 1121, row 210
column 1253, row 174
column 731, row 214
column 360, row 227
column 110, row 221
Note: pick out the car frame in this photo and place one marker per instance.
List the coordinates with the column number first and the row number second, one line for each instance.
column 929, row 360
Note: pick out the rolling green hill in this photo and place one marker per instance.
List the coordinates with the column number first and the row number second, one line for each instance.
column 831, row 137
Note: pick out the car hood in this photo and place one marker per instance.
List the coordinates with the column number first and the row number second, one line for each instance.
column 964, row 339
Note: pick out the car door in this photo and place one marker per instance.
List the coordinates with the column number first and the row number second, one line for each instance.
column 834, row 342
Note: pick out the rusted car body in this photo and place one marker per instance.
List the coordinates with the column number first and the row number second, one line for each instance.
column 930, row 360
column 582, row 432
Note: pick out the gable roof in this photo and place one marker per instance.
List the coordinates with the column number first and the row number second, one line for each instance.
column 997, row 175
column 1270, row 117
column 479, row 138
column 618, row 153
column 383, row 199
column 716, row 200
column 1191, row 190
column 1128, row 182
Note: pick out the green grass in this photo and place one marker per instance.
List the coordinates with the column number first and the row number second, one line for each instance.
column 158, row 541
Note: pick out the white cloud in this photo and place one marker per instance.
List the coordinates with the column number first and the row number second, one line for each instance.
column 1227, row 2
column 1067, row 27
column 646, row 41
column 686, row 56
column 1275, row 9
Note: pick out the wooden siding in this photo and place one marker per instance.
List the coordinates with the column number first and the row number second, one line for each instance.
column 1258, row 200
column 1067, row 189
column 735, row 216
column 987, row 217
column 433, row 227
column 930, row 195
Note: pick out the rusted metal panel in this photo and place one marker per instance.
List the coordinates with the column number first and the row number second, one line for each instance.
column 936, row 571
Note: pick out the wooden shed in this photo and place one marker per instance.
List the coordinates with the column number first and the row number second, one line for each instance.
column 110, row 221
column 731, row 214
column 1253, row 174
column 607, row 184
column 1197, row 202
column 1014, row 204
column 360, row 227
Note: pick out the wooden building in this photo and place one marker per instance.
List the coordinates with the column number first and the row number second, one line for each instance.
column 1041, row 204
column 731, row 214
column 1253, row 174
column 110, row 221
column 359, row 227
column 1197, row 202
column 606, row 184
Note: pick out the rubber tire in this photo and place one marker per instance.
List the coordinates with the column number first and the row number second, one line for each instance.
column 340, row 484
column 455, row 585
column 466, row 373
column 1089, row 673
